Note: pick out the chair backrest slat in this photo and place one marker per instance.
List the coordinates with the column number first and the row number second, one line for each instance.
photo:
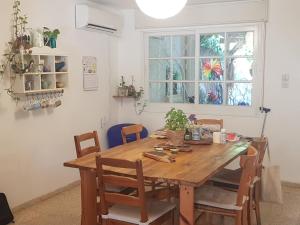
column 210, row 122
column 106, row 178
column 78, row 139
column 116, row 198
column 89, row 150
column 132, row 129
column 118, row 163
column 120, row 181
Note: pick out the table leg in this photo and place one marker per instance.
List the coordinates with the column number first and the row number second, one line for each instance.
column 88, row 198
column 186, row 205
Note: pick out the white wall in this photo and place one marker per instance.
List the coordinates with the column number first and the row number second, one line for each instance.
column 201, row 14
column 35, row 145
column 283, row 31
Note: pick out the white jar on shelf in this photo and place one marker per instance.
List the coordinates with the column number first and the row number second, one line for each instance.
column 37, row 38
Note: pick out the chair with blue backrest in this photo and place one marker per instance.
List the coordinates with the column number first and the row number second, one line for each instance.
column 129, row 130
column 114, row 135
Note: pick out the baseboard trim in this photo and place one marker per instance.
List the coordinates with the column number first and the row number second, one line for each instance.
column 45, row 197
column 290, row 184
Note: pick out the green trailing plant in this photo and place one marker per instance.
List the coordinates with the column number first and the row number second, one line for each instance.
column 19, row 46
column 176, row 120
column 19, row 21
column 17, row 49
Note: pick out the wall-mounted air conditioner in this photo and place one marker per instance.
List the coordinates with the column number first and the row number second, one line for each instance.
column 93, row 18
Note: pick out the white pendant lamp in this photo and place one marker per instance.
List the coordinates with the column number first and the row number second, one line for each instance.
column 161, row 9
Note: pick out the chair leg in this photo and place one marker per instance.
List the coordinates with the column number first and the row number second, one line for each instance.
column 250, row 207
column 238, row 218
column 173, row 215
column 170, row 221
column 208, row 218
column 256, row 203
column 205, row 218
column 152, row 186
column 245, row 216
column 169, row 194
column 222, row 220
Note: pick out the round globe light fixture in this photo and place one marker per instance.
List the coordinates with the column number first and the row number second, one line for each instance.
column 161, row 9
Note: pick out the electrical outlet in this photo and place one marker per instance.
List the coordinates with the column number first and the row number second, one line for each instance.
column 285, row 80
column 103, row 122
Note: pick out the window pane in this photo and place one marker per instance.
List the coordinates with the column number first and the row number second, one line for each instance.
column 211, row 69
column 211, row 93
column 183, row 93
column 183, row 45
column 159, row 69
column 240, row 43
column 239, row 69
column 212, row 44
column 160, row 47
column 239, row 94
column 184, row 69
column 159, row 92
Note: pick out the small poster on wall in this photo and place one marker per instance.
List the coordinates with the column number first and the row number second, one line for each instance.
column 90, row 76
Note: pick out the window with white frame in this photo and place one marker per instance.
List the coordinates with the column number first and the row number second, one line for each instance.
column 215, row 67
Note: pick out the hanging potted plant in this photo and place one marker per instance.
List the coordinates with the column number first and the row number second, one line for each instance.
column 50, row 37
column 176, row 122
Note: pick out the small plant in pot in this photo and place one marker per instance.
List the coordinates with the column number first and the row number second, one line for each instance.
column 50, row 37
column 123, row 88
column 176, row 122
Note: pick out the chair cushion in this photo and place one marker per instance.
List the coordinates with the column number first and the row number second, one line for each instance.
column 129, row 214
column 212, row 196
column 116, row 189
column 228, row 176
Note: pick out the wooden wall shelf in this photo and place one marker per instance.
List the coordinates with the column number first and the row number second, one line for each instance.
column 49, row 72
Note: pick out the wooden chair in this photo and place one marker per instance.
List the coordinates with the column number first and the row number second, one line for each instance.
column 210, row 122
column 132, row 129
column 164, row 191
column 128, row 209
column 231, row 178
column 215, row 200
column 78, row 139
column 93, row 136
column 80, row 151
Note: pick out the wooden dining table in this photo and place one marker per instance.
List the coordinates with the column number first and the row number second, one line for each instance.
column 189, row 171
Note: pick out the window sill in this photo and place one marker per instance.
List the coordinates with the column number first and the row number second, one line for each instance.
column 210, row 110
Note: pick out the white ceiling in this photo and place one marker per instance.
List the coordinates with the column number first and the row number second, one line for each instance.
column 129, row 4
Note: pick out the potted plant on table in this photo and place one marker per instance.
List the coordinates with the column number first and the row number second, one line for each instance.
column 176, row 122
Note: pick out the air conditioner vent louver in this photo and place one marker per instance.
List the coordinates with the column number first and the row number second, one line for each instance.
column 108, row 29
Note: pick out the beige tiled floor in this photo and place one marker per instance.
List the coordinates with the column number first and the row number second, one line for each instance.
column 64, row 209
